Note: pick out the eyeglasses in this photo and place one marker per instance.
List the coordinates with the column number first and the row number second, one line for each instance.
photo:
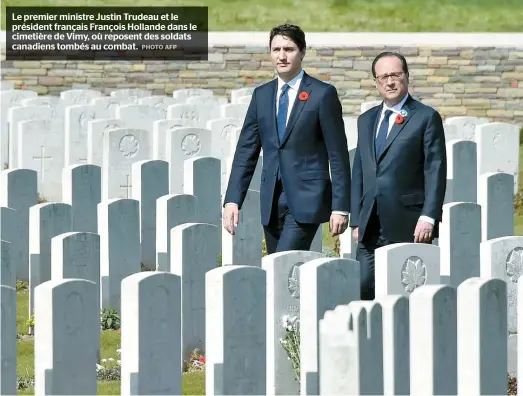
column 385, row 77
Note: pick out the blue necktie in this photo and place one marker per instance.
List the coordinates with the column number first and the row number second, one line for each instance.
column 382, row 134
column 283, row 106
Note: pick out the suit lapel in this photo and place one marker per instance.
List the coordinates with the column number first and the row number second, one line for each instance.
column 373, row 125
column 297, row 106
column 272, row 108
column 397, row 128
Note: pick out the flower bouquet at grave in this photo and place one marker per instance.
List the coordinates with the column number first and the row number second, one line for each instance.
column 196, row 362
column 291, row 341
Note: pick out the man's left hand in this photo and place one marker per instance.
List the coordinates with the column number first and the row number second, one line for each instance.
column 338, row 224
column 423, row 232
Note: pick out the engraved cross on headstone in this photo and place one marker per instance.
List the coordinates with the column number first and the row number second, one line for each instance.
column 42, row 158
column 128, row 186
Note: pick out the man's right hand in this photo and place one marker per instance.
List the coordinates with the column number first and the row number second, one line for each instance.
column 230, row 217
column 355, row 233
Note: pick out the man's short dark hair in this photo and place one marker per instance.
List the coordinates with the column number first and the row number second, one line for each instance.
column 390, row 53
column 293, row 32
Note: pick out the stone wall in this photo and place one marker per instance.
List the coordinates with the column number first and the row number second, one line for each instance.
column 476, row 75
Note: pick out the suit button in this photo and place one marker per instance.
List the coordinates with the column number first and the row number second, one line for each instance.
column 275, row 173
column 280, row 150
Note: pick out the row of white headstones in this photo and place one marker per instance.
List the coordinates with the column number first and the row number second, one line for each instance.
column 146, row 126
column 441, row 339
column 128, row 228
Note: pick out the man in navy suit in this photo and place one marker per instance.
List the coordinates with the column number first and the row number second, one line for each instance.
column 399, row 171
column 297, row 121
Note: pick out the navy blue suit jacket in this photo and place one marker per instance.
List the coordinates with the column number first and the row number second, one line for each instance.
column 315, row 136
column 407, row 180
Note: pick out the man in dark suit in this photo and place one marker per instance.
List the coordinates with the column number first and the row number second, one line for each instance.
column 399, row 171
column 297, row 121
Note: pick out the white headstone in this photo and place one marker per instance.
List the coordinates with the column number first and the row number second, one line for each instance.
column 8, row 379
column 236, row 344
column 46, row 220
column 9, row 234
column 10, row 139
column 498, row 149
column 335, row 345
column 150, row 180
column 130, row 95
column 223, row 135
column 120, row 253
column 182, row 144
column 199, row 113
column 122, row 147
column 7, row 266
column 202, row 179
column 194, row 252
column 95, row 131
column 171, row 210
column 76, row 255
column 82, row 189
column 67, row 336
column 462, row 180
column 75, row 130
column 151, row 333
column 44, row 153
column 160, row 130
column 495, row 195
column 396, row 344
column 482, row 337
column 466, row 126
column 400, row 268
column 329, row 282
column 245, row 246
column 283, row 301
column 459, row 239
column 433, row 340
column 502, row 258
column 18, row 190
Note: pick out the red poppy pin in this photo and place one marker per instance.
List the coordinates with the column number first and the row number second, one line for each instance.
column 400, row 117
column 304, row 96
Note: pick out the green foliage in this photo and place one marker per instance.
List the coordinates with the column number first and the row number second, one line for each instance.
column 337, row 245
column 110, row 320
column 291, row 342
column 21, row 285
column 518, row 203
column 219, row 261
column 31, row 322
column 264, row 248
column 24, row 383
column 335, row 15
column 521, row 135
column 328, row 252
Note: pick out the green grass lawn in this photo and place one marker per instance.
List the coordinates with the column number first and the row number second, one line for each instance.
column 337, row 15
column 192, row 383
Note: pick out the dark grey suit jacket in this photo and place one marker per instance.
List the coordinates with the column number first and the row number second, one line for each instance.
column 407, row 180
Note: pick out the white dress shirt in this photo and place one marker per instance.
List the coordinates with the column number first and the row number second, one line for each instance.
column 392, row 118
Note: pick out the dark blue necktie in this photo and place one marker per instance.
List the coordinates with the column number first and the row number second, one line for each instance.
column 382, row 133
column 283, row 106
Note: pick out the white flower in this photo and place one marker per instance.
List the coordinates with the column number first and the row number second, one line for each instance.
column 285, row 320
column 119, row 362
column 104, row 360
column 110, row 360
column 99, row 367
column 118, row 351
